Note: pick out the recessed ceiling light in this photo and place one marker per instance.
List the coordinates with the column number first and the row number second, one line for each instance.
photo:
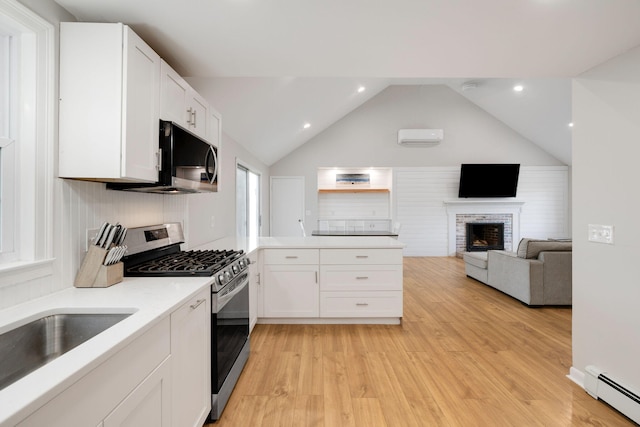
column 518, row 88
column 307, row 125
column 571, row 124
column 361, row 89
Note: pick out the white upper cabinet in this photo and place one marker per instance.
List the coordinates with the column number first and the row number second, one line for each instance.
column 109, row 104
column 181, row 104
column 214, row 127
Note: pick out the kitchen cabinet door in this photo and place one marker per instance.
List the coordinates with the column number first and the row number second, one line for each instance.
column 149, row 405
column 181, row 104
column 141, row 108
column 109, row 104
column 191, row 358
column 291, row 291
column 254, row 284
column 173, row 96
column 197, row 111
column 214, row 127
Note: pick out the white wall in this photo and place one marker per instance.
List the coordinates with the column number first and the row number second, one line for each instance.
column 367, row 137
column 606, row 293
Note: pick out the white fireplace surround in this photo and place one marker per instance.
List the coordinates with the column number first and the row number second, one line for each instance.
column 511, row 207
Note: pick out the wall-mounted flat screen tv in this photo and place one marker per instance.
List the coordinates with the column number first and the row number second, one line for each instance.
column 488, row 180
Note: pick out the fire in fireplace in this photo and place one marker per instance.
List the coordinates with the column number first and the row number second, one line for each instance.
column 482, row 236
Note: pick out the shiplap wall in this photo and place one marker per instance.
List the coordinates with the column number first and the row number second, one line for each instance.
column 419, row 195
column 545, row 191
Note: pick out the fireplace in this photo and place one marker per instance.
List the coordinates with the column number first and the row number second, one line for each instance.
column 483, row 236
column 462, row 211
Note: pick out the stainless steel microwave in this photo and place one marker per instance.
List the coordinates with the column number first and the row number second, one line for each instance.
column 188, row 164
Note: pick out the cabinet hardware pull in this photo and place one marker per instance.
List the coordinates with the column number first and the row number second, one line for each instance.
column 291, row 257
column 159, row 157
column 316, row 277
column 197, row 303
column 362, row 256
column 190, row 112
column 195, row 116
column 362, row 304
column 258, row 278
column 361, row 277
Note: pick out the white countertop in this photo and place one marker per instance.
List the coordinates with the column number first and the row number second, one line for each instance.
column 310, row 242
column 151, row 299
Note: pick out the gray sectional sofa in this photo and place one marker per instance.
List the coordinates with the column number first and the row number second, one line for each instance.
column 539, row 273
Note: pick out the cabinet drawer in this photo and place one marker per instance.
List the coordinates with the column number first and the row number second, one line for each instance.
column 361, row 278
column 361, row 256
column 361, row 304
column 291, row 256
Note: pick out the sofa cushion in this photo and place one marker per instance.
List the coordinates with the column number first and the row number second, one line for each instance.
column 478, row 259
column 531, row 248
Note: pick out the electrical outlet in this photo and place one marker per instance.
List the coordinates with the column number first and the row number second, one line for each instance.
column 601, row 233
column 91, row 234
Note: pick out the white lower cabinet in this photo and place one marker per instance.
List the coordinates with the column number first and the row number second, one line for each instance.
column 291, row 283
column 254, row 291
column 291, row 291
column 191, row 359
column 332, row 283
column 361, row 283
column 148, row 405
column 161, row 379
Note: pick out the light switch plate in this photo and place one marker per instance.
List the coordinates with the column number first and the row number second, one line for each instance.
column 601, row 233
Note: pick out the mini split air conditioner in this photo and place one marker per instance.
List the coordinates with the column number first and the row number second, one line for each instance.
column 420, row 137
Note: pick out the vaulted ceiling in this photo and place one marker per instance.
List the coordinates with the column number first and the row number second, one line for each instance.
column 269, row 66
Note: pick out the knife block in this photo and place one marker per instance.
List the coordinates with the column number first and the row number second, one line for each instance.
column 94, row 274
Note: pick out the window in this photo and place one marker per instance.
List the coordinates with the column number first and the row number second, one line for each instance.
column 26, row 137
column 7, row 150
column 247, row 202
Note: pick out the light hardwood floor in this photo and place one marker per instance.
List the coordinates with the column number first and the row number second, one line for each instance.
column 465, row 355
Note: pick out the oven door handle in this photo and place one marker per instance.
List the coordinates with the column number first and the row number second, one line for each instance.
column 243, row 278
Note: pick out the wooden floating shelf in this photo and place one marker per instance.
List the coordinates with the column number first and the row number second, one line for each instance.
column 353, row 190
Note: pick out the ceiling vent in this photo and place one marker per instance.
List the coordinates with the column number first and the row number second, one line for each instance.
column 420, row 137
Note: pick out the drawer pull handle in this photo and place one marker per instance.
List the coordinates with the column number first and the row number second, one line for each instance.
column 362, row 256
column 361, row 278
column 291, row 257
column 196, row 304
column 362, row 304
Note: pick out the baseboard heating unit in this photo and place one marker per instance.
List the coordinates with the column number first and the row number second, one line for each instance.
column 600, row 386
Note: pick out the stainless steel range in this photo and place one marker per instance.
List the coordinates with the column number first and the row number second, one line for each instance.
column 154, row 251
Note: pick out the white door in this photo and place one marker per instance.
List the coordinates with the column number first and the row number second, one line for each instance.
column 287, row 205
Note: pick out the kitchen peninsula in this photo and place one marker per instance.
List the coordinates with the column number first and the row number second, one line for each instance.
column 323, row 279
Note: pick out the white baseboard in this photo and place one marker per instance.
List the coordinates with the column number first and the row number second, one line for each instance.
column 577, row 376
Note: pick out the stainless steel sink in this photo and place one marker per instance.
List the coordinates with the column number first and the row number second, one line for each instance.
column 30, row 346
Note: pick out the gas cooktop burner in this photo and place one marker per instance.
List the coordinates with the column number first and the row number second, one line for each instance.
column 201, row 263
column 154, row 251
column 185, row 263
